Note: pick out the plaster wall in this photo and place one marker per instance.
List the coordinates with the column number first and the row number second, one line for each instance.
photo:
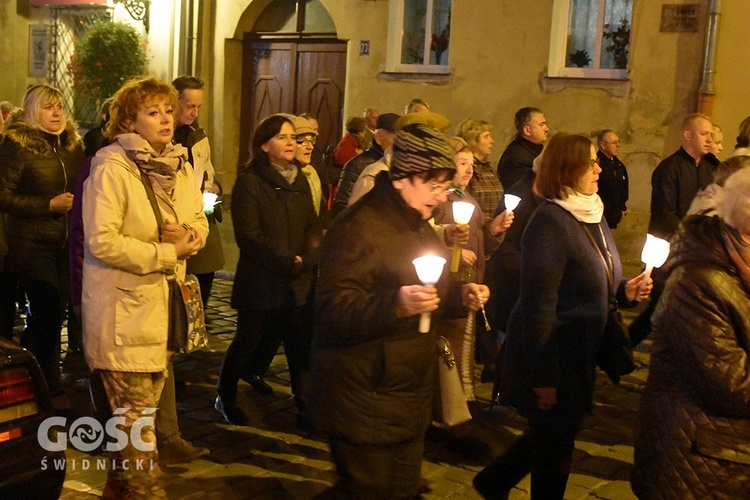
column 15, row 19
column 731, row 105
column 499, row 54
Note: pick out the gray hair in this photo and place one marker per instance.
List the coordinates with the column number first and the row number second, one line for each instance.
column 734, row 205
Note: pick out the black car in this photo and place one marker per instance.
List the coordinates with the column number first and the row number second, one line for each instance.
column 27, row 470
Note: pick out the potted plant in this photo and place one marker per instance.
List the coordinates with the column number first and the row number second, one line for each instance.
column 105, row 58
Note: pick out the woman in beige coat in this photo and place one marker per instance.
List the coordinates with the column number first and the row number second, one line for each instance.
column 127, row 258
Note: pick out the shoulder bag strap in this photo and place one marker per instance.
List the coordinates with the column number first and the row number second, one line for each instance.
column 152, row 199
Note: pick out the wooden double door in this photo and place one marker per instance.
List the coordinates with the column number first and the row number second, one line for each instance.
column 296, row 76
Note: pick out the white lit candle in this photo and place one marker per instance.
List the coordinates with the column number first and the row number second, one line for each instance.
column 511, row 201
column 654, row 254
column 429, row 268
column 209, row 202
column 462, row 212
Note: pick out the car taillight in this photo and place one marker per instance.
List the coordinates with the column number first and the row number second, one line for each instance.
column 17, row 394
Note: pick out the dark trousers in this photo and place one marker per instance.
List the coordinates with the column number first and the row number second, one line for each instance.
column 389, row 471
column 45, row 277
column 546, row 451
column 259, row 335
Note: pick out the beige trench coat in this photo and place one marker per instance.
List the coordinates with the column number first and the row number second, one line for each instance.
column 125, row 291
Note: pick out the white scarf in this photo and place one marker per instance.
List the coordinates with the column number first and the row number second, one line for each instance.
column 587, row 208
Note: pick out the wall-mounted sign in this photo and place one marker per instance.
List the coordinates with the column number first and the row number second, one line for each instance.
column 364, row 47
column 38, row 50
column 681, row 18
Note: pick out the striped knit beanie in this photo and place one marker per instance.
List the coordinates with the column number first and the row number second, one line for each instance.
column 458, row 144
column 419, row 148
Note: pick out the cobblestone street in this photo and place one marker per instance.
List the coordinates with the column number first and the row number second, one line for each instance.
column 273, row 459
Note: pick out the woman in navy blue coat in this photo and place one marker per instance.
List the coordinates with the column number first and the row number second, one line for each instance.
column 570, row 273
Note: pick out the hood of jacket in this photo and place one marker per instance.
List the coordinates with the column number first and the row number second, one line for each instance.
column 699, row 240
column 37, row 141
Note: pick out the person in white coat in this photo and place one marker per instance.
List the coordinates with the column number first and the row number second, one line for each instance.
column 127, row 258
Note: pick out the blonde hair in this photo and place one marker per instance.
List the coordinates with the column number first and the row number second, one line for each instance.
column 131, row 98
column 470, row 130
column 35, row 99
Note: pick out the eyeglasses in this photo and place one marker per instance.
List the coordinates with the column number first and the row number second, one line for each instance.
column 594, row 163
column 613, row 143
column 436, row 188
column 308, row 140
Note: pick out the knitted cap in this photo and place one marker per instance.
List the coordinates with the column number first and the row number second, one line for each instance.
column 419, row 148
column 457, row 143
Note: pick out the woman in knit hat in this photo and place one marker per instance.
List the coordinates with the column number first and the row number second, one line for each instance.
column 373, row 372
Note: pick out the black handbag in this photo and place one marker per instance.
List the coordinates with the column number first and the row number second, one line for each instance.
column 615, row 354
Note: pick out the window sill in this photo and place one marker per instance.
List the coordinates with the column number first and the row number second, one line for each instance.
column 434, row 78
column 615, row 87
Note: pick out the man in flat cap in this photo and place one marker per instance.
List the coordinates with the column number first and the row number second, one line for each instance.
column 373, row 372
column 385, row 132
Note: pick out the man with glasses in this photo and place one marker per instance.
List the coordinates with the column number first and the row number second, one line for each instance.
column 613, row 179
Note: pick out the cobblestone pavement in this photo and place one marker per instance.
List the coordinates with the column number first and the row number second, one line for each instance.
column 273, row 459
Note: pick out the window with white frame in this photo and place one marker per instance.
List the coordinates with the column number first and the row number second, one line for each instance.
column 419, row 33
column 590, row 38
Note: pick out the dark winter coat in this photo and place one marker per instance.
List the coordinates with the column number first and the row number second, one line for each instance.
column 517, row 159
column 273, row 222
column 350, row 174
column 36, row 166
column 674, row 184
column 373, row 374
column 613, row 188
column 695, row 411
column 504, row 267
column 556, row 326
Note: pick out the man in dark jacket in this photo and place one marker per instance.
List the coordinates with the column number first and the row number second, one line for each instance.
column 613, row 179
column 385, row 132
column 674, row 184
column 373, row 371
column 518, row 157
column 679, row 177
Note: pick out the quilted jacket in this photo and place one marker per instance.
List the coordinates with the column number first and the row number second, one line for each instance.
column 694, row 436
column 36, row 166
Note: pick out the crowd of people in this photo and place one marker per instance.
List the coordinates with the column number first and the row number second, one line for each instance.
column 94, row 229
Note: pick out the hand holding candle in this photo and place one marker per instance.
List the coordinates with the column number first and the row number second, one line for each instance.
column 462, row 212
column 654, row 254
column 429, row 268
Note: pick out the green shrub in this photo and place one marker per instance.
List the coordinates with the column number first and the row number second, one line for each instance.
column 105, row 58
